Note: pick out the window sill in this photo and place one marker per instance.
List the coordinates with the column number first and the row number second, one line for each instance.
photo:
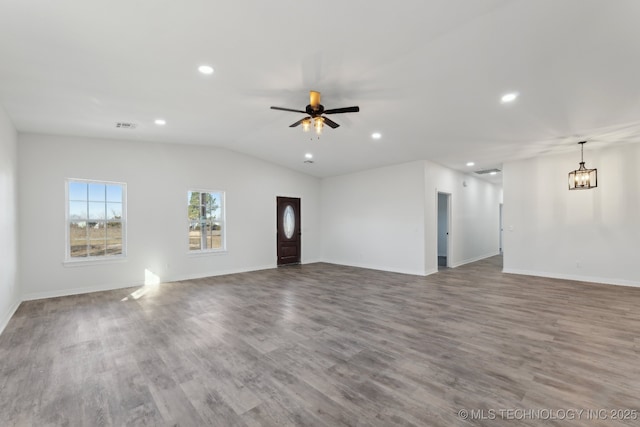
column 89, row 262
column 207, row 253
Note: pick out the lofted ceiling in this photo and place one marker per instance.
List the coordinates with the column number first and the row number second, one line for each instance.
column 427, row 74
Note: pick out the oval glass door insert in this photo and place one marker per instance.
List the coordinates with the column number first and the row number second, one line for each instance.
column 289, row 222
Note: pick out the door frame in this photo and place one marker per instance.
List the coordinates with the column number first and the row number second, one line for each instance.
column 288, row 196
column 449, row 209
column 501, row 228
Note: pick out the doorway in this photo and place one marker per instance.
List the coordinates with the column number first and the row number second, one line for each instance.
column 288, row 230
column 501, row 229
column 444, row 216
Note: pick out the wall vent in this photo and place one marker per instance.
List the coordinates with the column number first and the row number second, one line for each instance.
column 486, row 171
column 125, row 125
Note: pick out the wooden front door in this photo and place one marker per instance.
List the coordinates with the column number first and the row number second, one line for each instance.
column 289, row 234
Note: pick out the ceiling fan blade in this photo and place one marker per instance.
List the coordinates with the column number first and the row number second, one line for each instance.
column 330, row 123
column 299, row 122
column 288, row 109
column 342, row 110
column 314, row 99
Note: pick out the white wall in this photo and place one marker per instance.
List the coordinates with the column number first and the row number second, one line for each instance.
column 158, row 177
column 588, row 235
column 387, row 218
column 474, row 232
column 375, row 219
column 9, row 295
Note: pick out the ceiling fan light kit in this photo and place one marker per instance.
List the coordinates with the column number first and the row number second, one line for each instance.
column 583, row 178
column 318, row 124
column 315, row 112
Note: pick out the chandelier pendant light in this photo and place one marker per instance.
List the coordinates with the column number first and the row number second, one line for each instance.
column 583, row 178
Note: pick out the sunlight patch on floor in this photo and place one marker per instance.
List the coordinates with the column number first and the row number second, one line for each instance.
column 151, row 282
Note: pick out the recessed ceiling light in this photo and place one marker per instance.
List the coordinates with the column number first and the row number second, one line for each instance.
column 376, row 135
column 470, row 164
column 205, row 69
column 509, row 97
column 160, row 122
column 493, row 173
column 308, row 156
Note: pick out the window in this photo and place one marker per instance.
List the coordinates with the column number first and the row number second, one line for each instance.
column 95, row 220
column 205, row 213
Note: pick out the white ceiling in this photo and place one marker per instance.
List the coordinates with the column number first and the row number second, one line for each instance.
column 427, row 74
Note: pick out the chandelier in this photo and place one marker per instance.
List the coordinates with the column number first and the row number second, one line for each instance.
column 583, row 178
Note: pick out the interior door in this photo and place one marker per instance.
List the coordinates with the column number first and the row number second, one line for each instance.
column 289, row 234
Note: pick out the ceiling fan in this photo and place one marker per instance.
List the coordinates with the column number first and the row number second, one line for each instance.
column 315, row 110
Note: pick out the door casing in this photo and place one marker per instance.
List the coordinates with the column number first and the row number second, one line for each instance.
column 288, row 249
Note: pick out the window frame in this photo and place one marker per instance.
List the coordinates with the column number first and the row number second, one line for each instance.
column 68, row 259
column 222, row 221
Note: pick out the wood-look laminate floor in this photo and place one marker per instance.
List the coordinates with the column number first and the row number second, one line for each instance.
column 326, row 345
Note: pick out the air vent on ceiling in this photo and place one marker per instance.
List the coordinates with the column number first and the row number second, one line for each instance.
column 125, row 125
column 486, row 171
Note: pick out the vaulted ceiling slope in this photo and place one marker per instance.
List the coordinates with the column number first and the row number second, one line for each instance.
column 427, row 74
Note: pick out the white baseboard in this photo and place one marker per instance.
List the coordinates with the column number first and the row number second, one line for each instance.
column 4, row 320
column 474, row 259
column 589, row 279
column 110, row 287
column 380, row 268
column 217, row 273
column 77, row 291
